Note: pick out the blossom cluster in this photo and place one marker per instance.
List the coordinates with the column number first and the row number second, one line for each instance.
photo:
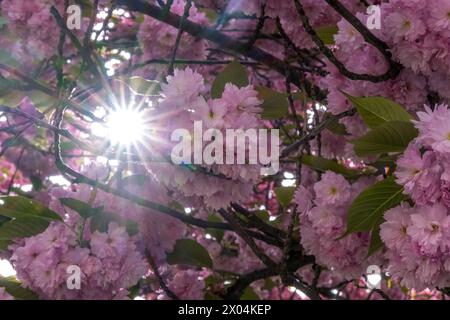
column 416, row 33
column 418, row 238
column 323, row 223
column 320, row 14
column 184, row 103
column 157, row 39
column 142, row 203
column 31, row 31
column 109, row 262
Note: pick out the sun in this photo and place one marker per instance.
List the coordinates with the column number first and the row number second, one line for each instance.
column 125, row 126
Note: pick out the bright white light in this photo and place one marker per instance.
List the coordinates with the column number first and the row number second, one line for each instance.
column 288, row 175
column 374, row 279
column 99, row 130
column 111, row 66
column 102, row 14
column 26, row 187
column 126, row 55
column 6, row 269
column 297, row 291
column 100, row 160
column 99, row 112
column 60, row 180
column 118, row 12
column 125, row 126
column 301, row 294
column 138, row 298
column 288, row 182
column 113, row 163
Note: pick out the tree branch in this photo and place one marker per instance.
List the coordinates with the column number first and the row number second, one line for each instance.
column 312, row 134
column 222, row 40
column 394, row 67
column 158, row 276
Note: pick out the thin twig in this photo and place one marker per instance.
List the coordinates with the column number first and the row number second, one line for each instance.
column 312, row 134
column 245, row 236
column 394, row 67
column 158, row 276
column 187, row 7
column 222, row 40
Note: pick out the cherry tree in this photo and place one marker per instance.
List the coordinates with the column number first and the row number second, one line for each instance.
column 119, row 173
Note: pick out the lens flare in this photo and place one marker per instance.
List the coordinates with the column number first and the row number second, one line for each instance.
column 125, row 126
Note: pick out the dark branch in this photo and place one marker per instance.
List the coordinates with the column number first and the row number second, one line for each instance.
column 394, row 67
column 222, row 40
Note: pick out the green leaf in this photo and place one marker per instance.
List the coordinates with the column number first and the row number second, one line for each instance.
column 86, row 7
column 212, row 280
column 83, row 209
column 335, row 126
column 19, row 207
column 3, row 21
column 36, row 182
column 132, row 227
column 135, row 179
column 378, row 110
column 275, row 104
column 249, row 294
column 189, row 252
column 392, row 136
column 101, row 219
column 11, row 98
column 211, row 14
column 7, row 59
column 322, row 165
column 234, row 73
column 212, row 296
column 386, row 161
column 134, row 290
column 41, row 100
column 67, row 146
column 264, row 215
column 7, row 85
column 269, row 284
column 4, row 244
column 21, row 228
column 284, row 195
column 11, row 142
column 366, row 211
column 100, row 222
column 375, row 241
column 327, row 33
column 143, row 86
column 14, row 288
column 4, row 219
column 216, row 233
